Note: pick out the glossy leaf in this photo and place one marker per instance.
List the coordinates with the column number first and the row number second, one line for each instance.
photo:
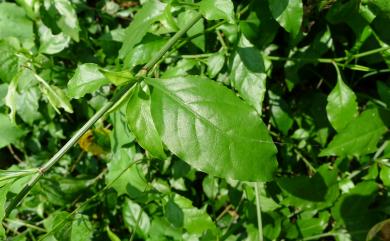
column 135, row 218
column 288, row 13
column 210, row 128
column 214, row 64
column 342, row 107
column 118, row 78
column 359, row 137
column 142, row 53
column 281, row 116
column 10, row 132
column 68, row 21
column 140, row 25
column 87, row 79
column 247, row 74
column 217, row 9
column 141, row 124
column 52, row 43
column 197, row 29
column 56, row 96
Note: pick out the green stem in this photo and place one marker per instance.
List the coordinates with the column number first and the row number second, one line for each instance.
column 117, row 96
column 258, row 211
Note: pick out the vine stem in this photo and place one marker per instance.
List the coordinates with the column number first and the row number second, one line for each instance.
column 258, row 211
column 117, row 96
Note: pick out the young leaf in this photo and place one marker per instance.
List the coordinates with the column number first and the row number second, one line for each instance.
column 8, row 62
column 247, row 74
column 68, row 21
column 288, row 13
column 207, row 126
column 56, row 96
column 214, row 64
column 140, row 25
column 342, row 107
column 118, row 78
column 217, row 9
column 141, row 123
column 280, row 115
column 359, row 137
column 85, row 80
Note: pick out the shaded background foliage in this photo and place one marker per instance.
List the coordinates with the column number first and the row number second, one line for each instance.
column 303, row 66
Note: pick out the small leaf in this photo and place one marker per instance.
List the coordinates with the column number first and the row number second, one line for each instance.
column 280, row 114
column 52, row 43
column 67, row 22
column 342, row 106
column 9, row 62
column 206, row 125
column 140, row 25
column 174, row 214
column 141, row 123
column 217, row 9
column 135, row 218
column 196, row 29
column 118, row 78
column 247, row 74
column 359, row 137
column 384, row 92
column 111, row 235
column 143, row 52
column 10, row 133
column 288, row 13
column 56, row 96
column 87, row 79
column 96, row 141
column 214, row 64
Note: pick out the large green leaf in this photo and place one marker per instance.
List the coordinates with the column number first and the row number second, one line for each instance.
column 342, row 107
column 85, row 80
column 10, row 133
column 52, row 43
column 207, row 126
column 359, row 137
column 247, row 74
column 217, row 9
column 14, row 23
column 288, row 13
column 141, row 123
column 140, row 25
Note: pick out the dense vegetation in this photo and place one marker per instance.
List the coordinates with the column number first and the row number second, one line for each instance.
column 211, row 120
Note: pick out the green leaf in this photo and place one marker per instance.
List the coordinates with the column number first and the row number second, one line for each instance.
column 3, row 198
column 14, row 23
column 174, row 214
column 342, row 107
column 56, row 96
column 280, row 114
column 196, row 221
column 141, row 123
column 67, row 22
column 217, row 9
column 135, row 218
column 247, row 74
column 118, row 78
column 111, row 235
column 11, row 97
column 52, row 43
column 82, row 229
column 140, row 25
column 10, row 133
column 380, row 7
column 288, row 13
column 384, row 92
column 196, row 29
column 214, row 64
column 385, row 175
column 9, row 62
column 132, row 181
column 207, row 126
column 87, row 79
column 359, row 137
column 353, row 210
column 321, row 189
column 143, row 52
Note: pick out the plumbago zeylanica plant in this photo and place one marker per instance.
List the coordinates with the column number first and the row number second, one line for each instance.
column 194, row 120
